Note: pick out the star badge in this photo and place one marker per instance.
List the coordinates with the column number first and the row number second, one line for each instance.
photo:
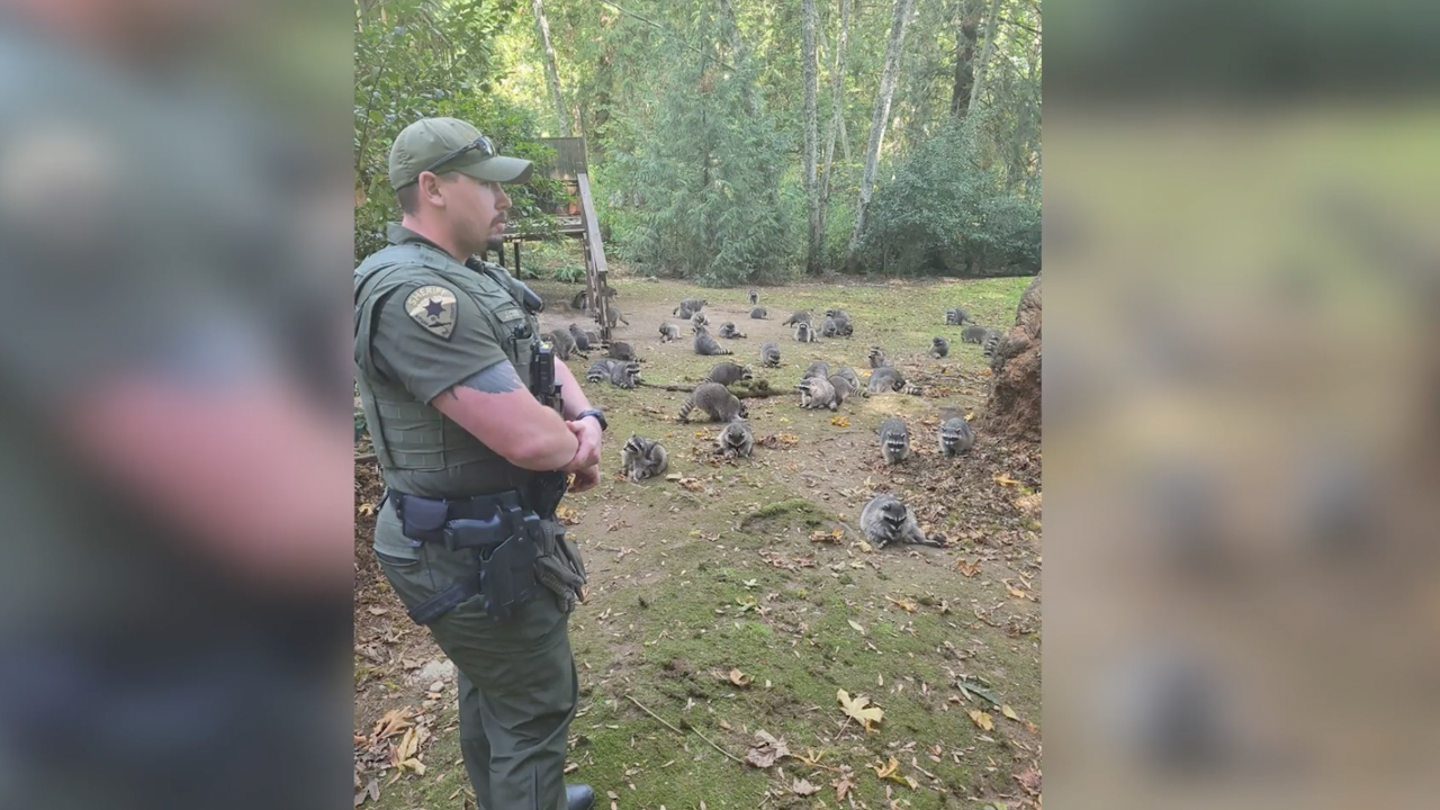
column 433, row 307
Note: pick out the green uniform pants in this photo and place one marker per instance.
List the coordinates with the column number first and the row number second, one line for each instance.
column 517, row 680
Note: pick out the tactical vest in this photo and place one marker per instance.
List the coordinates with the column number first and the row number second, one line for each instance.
column 420, row 450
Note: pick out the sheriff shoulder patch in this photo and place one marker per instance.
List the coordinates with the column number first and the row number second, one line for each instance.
column 433, row 307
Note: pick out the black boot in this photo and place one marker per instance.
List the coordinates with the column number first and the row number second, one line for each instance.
column 579, row 797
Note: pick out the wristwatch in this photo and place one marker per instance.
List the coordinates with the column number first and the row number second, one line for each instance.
column 599, row 418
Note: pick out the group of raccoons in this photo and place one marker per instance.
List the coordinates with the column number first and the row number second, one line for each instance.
column 885, row 519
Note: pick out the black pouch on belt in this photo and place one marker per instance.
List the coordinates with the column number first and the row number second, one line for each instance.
column 422, row 519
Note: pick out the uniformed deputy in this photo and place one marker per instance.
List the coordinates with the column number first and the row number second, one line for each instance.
column 456, row 388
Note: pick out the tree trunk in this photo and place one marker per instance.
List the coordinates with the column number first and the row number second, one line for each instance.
column 994, row 18
column 882, row 116
column 552, row 75
column 1012, row 410
column 837, row 120
column 812, row 136
column 966, row 33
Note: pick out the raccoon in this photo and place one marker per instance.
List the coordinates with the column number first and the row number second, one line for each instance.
column 728, row 330
column 581, row 301
column 705, row 344
column 840, row 316
column 829, row 328
column 850, row 376
column 715, row 400
column 624, row 375
column 620, row 350
column 692, row 304
column 817, row 392
column 939, row 347
column 563, row 344
column 759, row 313
column 843, row 388
column 956, row 437
column 612, row 316
column 769, row 355
column 894, row 441
column 877, row 357
column 805, row 333
column 669, row 332
column 956, row 316
column 819, row 368
column 684, row 313
column 699, row 319
column 582, row 340
column 599, row 370
column 886, row 519
column 798, row 317
column 992, row 340
column 592, row 336
column 846, row 329
column 729, row 373
column 735, row 440
column 643, row 458
column 973, row 334
column 754, row 296
column 883, row 380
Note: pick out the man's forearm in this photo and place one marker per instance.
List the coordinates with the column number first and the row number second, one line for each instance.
column 575, row 400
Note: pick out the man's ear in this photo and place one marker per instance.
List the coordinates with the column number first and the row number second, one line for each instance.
column 430, row 189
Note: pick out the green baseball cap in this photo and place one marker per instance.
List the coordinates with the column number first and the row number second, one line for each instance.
column 450, row 145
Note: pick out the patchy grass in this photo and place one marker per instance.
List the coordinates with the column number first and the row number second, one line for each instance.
column 754, row 566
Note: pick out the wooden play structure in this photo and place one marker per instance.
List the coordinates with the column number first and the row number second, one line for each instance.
column 576, row 220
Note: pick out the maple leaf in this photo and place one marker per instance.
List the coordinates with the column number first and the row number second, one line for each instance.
column 842, row 786
column 860, row 709
column 908, row 606
column 802, row 787
column 884, row 771
column 968, row 569
column 766, row 750
column 982, row 720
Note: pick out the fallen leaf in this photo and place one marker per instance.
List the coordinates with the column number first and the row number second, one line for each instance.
column 366, row 509
column 1028, row 503
column 567, row 515
column 908, row 606
column 887, row 769
column 866, row 547
column 674, row 477
column 860, row 708
column 394, row 721
column 968, row 569
column 858, row 628
column 1005, row 480
column 1028, row 779
column 1015, row 592
column 842, row 786
column 824, row 537
column 766, row 750
column 802, row 787
column 740, row 679
column 371, row 792
column 1009, row 712
column 982, row 720
column 840, row 421
column 378, row 611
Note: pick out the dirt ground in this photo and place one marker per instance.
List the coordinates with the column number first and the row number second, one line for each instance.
column 738, row 598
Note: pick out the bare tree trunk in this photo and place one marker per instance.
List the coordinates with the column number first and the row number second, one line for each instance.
column 552, row 75
column 966, row 32
column 994, row 18
column 837, row 121
column 882, row 117
column 812, row 136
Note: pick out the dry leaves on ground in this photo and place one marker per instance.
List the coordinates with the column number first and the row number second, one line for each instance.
column 766, row 750
column 860, row 709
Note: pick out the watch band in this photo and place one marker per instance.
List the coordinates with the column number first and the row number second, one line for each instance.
column 599, row 417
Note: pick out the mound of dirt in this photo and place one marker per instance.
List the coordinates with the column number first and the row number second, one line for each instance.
column 1013, row 408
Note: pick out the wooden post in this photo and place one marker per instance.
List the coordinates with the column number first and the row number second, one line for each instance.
column 596, row 269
